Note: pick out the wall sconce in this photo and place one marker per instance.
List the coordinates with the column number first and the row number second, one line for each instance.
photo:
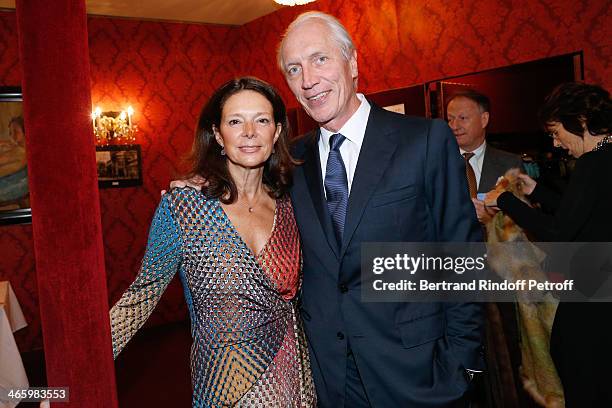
column 293, row 2
column 114, row 127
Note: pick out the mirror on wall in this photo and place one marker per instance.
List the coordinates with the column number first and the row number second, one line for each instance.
column 516, row 93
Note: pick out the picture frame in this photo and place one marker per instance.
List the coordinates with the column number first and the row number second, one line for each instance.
column 410, row 101
column 14, row 190
column 119, row 166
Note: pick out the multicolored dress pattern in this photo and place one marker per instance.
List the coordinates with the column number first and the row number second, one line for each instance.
column 249, row 347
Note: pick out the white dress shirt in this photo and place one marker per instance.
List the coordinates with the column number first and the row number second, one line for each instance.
column 477, row 160
column 354, row 131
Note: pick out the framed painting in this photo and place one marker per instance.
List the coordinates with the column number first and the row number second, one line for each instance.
column 119, row 166
column 14, row 190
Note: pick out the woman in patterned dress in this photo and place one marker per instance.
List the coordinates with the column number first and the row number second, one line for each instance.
column 236, row 248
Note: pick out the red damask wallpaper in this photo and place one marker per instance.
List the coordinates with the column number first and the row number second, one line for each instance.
column 167, row 70
column 401, row 43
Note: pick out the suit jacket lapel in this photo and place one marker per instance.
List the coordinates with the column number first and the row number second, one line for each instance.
column 489, row 172
column 378, row 146
column 314, row 180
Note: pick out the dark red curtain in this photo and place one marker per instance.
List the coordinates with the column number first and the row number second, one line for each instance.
column 64, row 199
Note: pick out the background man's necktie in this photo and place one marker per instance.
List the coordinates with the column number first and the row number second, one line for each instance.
column 469, row 173
column 336, row 186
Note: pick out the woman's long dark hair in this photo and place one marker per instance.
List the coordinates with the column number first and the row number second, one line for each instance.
column 578, row 106
column 207, row 160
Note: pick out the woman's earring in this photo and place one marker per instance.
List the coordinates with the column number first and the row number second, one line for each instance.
column 223, row 151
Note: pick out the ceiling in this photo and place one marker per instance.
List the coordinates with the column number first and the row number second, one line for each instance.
column 229, row 12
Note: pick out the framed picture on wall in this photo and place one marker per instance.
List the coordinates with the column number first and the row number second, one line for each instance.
column 407, row 101
column 14, row 190
column 119, row 166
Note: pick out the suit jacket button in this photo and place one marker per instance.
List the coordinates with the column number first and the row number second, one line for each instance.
column 340, row 336
column 343, row 288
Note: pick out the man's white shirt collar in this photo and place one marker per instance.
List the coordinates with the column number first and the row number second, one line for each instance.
column 478, row 152
column 354, row 131
column 354, row 128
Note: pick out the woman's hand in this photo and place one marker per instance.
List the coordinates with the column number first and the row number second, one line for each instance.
column 526, row 183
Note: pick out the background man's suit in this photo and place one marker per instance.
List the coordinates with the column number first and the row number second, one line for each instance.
column 502, row 337
column 410, row 186
column 495, row 164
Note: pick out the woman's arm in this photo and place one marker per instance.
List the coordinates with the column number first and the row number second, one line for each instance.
column 13, row 160
column 160, row 263
column 545, row 196
column 541, row 225
column 573, row 209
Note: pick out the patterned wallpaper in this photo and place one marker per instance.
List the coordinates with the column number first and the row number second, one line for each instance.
column 167, row 70
column 401, row 43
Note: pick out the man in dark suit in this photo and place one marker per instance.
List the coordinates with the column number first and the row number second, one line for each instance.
column 468, row 116
column 368, row 176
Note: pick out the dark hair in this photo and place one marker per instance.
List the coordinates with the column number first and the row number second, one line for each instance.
column 207, row 160
column 577, row 106
column 483, row 101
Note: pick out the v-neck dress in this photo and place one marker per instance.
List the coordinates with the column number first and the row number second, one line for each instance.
column 249, row 347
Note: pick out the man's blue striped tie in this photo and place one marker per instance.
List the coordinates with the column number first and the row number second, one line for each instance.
column 336, row 186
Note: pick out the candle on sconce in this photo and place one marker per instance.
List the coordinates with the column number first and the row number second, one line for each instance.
column 97, row 113
column 130, row 112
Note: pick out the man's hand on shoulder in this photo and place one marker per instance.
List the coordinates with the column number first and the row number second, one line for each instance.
column 196, row 182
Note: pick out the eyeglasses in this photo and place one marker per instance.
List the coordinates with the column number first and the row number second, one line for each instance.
column 553, row 135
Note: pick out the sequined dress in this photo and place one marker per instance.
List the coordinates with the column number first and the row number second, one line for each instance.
column 249, row 347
